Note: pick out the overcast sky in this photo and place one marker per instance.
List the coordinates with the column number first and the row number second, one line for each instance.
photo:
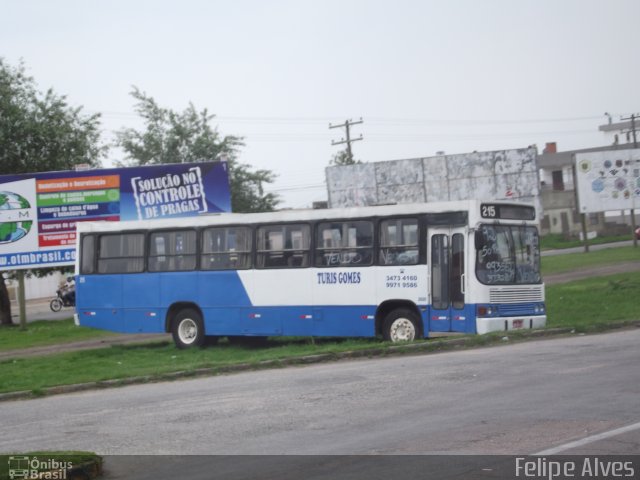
column 425, row 76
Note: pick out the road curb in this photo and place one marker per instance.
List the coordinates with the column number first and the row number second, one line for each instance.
column 420, row 348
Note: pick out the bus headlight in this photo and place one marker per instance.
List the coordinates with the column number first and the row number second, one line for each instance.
column 538, row 309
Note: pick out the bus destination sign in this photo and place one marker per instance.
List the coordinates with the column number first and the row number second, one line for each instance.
column 507, row 212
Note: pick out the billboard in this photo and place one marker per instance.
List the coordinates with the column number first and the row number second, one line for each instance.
column 496, row 175
column 608, row 180
column 39, row 211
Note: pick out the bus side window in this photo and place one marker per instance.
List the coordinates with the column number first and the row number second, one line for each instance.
column 88, row 254
column 172, row 251
column 282, row 246
column 341, row 244
column 226, row 248
column 121, row 253
column 398, row 242
column 158, row 262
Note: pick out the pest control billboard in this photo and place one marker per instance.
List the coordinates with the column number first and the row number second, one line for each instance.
column 39, row 212
column 608, row 180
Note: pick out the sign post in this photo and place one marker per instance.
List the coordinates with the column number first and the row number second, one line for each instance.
column 21, row 300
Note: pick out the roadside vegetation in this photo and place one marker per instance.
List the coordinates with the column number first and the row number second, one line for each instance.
column 578, row 261
column 556, row 241
column 157, row 359
column 595, row 303
column 587, row 305
column 47, row 332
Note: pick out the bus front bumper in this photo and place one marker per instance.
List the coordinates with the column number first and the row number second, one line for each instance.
column 502, row 324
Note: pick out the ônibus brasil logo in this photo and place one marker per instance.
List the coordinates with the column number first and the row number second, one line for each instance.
column 15, row 217
column 24, row 467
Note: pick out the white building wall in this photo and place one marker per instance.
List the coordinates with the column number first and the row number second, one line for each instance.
column 497, row 175
column 36, row 288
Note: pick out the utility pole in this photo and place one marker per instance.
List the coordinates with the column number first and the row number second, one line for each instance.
column 626, row 125
column 347, row 125
column 633, row 128
column 634, row 187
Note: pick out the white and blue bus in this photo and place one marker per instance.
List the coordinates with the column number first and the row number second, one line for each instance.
column 399, row 271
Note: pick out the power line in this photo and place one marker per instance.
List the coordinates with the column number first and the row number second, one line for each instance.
column 294, row 188
column 372, row 120
column 260, row 137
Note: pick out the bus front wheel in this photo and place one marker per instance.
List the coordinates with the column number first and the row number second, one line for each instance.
column 187, row 329
column 401, row 325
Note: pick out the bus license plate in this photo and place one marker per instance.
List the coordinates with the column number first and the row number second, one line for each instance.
column 518, row 323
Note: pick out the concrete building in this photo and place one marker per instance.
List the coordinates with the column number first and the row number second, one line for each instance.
column 495, row 175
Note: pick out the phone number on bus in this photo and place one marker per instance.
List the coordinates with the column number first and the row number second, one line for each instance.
column 402, row 281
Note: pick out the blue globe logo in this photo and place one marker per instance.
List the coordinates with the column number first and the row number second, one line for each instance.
column 13, row 209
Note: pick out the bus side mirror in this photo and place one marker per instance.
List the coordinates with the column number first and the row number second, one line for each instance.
column 479, row 240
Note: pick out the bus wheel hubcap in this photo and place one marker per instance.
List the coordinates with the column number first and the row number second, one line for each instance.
column 187, row 331
column 402, row 330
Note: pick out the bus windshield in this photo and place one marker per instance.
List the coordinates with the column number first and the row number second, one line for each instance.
column 508, row 254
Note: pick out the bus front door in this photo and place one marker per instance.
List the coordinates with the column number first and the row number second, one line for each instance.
column 448, row 312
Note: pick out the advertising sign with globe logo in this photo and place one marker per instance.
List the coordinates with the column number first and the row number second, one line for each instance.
column 39, row 212
column 14, row 217
column 608, row 180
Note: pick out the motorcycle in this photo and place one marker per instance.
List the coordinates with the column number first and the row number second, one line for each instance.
column 62, row 300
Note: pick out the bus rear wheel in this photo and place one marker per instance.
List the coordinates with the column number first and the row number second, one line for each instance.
column 187, row 329
column 401, row 325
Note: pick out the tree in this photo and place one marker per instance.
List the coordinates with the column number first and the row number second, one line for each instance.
column 342, row 158
column 171, row 137
column 40, row 132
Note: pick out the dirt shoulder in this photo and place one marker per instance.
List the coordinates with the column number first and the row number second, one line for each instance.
column 83, row 345
column 599, row 271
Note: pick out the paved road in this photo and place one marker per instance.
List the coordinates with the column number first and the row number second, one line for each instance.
column 38, row 309
column 514, row 399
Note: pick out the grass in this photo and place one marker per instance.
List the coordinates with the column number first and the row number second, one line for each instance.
column 556, row 241
column 155, row 359
column 46, row 332
column 576, row 261
column 595, row 302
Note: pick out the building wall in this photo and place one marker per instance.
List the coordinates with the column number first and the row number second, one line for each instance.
column 36, row 288
column 497, row 175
